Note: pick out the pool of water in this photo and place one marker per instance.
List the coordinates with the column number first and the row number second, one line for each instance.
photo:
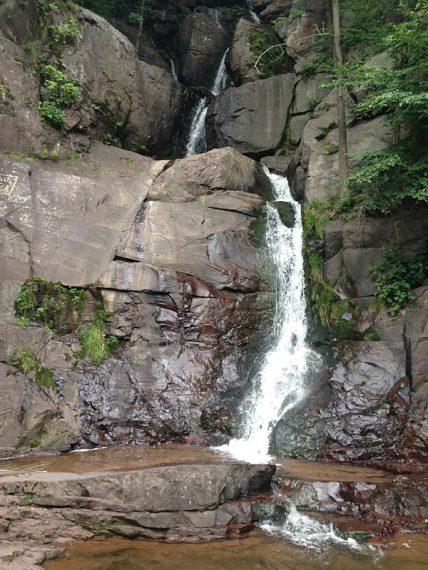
column 260, row 551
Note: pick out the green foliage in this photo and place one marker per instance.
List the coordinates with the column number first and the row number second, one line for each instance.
column 381, row 181
column 272, row 63
column 384, row 179
column 26, row 361
column 44, row 301
column 52, row 114
column 322, row 293
column 63, row 33
column 395, row 277
column 59, row 92
column 58, row 87
column 317, row 214
column 95, row 344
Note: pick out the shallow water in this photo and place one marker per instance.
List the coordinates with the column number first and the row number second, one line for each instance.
column 127, row 457
column 260, row 551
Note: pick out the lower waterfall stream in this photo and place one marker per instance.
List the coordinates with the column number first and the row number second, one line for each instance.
column 280, row 383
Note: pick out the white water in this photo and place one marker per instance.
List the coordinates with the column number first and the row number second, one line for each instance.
column 309, row 533
column 280, row 383
column 196, row 142
column 173, row 70
column 252, row 14
column 215, row 15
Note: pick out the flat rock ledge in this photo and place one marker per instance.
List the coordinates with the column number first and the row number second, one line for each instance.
column 192, row 502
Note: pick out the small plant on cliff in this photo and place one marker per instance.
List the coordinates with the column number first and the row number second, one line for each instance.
column 44, row 301
column 395, row 277
column 26, row 361
column 63, row 33
column 59, row 92
column 95, row 344
column 272, row 62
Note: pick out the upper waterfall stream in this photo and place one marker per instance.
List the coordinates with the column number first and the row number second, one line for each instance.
column 196, row 142
column 280, row 383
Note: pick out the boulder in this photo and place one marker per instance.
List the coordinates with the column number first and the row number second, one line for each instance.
column 251, row 118
column 299, row 29
column 309, row 92
column 276, row 9
column 242, row 58
column 174, row 502
column 141, row 97
column 201, row 44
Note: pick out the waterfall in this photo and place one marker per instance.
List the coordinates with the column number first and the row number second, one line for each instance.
column 221, row 76
column 279, row 384
column 215, row 15
column 173, row 70
column 251, row 13
column 196, row 142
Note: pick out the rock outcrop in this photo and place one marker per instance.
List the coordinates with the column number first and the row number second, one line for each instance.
column 251, row 118
column 202, row 44
column 167, row 247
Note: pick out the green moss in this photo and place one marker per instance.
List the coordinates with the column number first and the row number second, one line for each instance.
column 257, row 230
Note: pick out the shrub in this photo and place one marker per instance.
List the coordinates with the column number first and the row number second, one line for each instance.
column 272, row 61
column 63, row 34
column 27, row 361
column 395, row 277
column 52, row 114
column 44, row 301
column 95, row 344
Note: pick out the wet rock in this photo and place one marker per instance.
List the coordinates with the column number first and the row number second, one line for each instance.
column 175, row 502
column 251, row 118
column 368, row 411
column 202, row 44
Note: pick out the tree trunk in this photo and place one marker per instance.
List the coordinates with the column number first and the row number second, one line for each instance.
column 341, row 114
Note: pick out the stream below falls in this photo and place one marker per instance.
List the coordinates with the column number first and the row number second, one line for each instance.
column 260, row 551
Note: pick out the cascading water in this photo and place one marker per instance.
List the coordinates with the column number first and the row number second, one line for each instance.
column 280, row 383
column 251, row 13
column 196, row 143
column 215, row 15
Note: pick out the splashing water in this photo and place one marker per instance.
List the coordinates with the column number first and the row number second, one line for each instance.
column 197, row 143
column 280, row 384
column 314, row 535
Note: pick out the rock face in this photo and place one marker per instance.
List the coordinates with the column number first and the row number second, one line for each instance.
column 319, row 145
column 202, row 44
column 167, row 246
column 251, row 118
column 179, row 502
column 365, row 414
column 242, row 58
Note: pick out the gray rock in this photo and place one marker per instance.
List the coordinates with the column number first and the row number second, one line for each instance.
column 175, row 502
column 202, row 44
column 296, row 127
column 309, row 92
column 251, row 118
column 242, row 58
